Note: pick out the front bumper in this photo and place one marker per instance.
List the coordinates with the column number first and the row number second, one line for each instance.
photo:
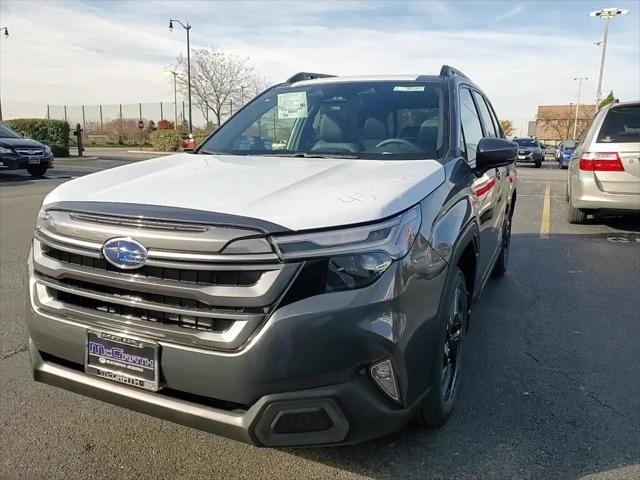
column 310, row 356
column 17, row 162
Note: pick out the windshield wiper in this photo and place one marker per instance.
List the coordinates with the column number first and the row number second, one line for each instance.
column 325, row 155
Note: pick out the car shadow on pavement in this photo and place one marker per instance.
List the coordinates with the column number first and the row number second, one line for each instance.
column 548, row 388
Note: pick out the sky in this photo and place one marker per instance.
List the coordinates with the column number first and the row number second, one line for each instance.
column 521, row 53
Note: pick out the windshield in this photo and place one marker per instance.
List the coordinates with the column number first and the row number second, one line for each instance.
column 526, row 142
column 622, row 125
column 346, row 119
column 569, row 144
column 6, row 132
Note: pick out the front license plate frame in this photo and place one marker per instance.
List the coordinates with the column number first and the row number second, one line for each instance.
column 34, row 161
column 123, row 358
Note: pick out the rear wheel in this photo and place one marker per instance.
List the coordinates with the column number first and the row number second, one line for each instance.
column 37, row 170
column 575, row 215
column 438, row 405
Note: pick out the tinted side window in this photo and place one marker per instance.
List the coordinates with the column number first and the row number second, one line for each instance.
column 471, row 126
column 489, row 126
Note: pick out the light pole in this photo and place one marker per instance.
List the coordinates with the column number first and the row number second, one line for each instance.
column 6, row 35
column 187, row 27
column 607, row 14
column 175, row 101
column 575, row 122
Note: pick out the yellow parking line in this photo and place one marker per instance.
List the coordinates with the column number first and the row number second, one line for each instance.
column 546, row 213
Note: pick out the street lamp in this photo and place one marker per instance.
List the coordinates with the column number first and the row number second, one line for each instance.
column 575, row 122
column 6, row 35
column 175, row 101
column 607, row 14
column 187, row 27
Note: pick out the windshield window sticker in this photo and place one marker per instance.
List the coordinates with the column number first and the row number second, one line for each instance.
column 292, row 105
column 400, row 88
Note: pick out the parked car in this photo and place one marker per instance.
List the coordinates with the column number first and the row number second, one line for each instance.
column 604, row 173
column 315, row 292
column 550, row 152
column 19, row 153
column 530, row 151
column 565, row 152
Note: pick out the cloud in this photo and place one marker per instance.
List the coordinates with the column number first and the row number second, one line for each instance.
column 117, row 52
column 510, row 13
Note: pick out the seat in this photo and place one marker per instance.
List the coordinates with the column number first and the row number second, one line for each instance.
column 428, row 137
column 374, row 131
column 331, row 136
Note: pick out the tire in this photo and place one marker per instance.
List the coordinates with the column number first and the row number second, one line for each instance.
column 500, row 268
column 575, row 215
column 37, row 170
column 438, row 404
column 538, row 164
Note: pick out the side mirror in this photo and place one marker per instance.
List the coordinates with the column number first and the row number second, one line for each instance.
column 495, row 152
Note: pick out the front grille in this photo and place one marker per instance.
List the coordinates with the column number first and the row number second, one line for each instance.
column 190, row 291
column 144, row 314
column 30, row 152
column 240, row 278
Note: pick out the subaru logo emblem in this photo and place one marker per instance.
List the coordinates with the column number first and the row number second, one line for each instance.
column 124, row 253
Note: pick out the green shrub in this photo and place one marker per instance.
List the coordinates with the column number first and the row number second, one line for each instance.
column 166, row 140
column 53, row 133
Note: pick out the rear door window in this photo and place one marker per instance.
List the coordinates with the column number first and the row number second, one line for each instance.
column 489, row 126
column 621, row 125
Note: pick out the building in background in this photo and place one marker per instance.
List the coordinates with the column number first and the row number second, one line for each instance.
column 555, row 123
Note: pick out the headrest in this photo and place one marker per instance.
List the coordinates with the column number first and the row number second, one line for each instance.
column 330, row 130
column 374, row 128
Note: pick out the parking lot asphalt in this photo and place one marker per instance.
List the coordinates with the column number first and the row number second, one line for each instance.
column 550, row 386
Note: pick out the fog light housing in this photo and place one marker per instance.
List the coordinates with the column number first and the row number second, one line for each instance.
column 383, row 375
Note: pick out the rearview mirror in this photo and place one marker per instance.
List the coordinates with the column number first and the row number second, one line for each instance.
column 495, row 152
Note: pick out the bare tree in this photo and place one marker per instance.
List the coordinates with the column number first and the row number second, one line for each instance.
column 218, row 81
column 560, row 121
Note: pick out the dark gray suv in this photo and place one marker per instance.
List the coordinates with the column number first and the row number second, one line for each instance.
column 305, row 277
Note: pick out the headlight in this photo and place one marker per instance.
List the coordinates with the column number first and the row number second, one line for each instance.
column 393, row 237
column 349, row 258
column 5, row 150
column 47, row 150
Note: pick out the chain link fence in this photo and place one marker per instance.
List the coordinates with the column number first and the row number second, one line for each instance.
column 117, row 124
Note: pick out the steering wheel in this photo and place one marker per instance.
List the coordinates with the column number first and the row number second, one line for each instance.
column 400, row 141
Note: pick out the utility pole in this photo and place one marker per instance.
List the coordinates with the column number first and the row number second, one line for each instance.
column 6, row 35
column 187, row 27
column 175, row 100
column 607, row 14
column 575, row 122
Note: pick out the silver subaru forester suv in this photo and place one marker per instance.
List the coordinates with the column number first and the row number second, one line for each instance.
column 604, row 173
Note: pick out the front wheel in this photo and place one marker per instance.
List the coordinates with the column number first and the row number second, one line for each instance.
column 538, row 164
column 37, row 170
column 438, row 405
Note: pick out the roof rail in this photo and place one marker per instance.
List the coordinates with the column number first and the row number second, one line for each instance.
column 299, row 77
column 447, row 71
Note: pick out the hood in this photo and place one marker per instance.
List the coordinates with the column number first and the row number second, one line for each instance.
column 295, row 193
column 20, row 143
